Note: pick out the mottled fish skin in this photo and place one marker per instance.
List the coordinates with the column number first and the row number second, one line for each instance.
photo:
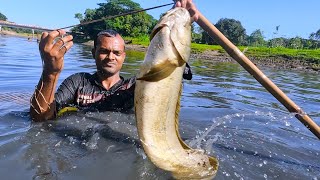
column 157, row 100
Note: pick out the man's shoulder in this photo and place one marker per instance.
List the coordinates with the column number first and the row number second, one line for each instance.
column 129, row 83
column 131, row 79
column 80, row 74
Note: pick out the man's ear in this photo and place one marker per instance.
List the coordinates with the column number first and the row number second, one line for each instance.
column 93, row 52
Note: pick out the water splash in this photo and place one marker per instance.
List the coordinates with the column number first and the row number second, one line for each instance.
column 198, row 141
column 93, row 142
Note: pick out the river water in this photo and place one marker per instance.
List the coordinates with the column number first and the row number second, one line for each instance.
column 224, row 111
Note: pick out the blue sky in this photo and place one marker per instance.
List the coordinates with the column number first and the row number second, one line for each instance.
column 295, row 17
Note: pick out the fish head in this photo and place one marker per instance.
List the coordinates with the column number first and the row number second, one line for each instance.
column 169, row 47
column 179, row 22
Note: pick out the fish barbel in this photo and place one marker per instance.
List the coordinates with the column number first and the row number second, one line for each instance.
column 157, row 100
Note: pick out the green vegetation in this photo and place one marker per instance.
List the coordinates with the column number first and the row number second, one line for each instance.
column 21, row 30
column 199, row 48
column 3, row 17
column 141, row 40
column 308, row 55
column 137, row 27
column 134, row 25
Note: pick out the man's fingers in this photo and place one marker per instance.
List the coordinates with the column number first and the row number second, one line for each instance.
column 58, row 41
column 44, row 35
column 178, row 4
column 183, row 3
column 188, row 4
column 42, row 40
column 62, row 41
column 66, row 47
column 63, row 49
column 62, row 46
column 47, row 40
column 56, row 33
column 193, row 12
column 61, row 32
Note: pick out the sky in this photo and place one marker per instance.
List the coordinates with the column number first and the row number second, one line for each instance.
column 294, row 17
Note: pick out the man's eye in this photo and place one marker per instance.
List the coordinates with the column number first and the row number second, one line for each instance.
column 102, row 51
column 118, row 53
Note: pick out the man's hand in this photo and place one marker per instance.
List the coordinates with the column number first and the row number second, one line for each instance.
column 52, row 48
column 188, row 4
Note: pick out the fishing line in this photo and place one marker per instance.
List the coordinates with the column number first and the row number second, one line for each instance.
column 85, row 23
column 114, row 16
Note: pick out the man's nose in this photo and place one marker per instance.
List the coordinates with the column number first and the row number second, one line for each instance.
column 111, row 55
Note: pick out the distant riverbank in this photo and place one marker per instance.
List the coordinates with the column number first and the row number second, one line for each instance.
column 12, row 33
column 218, row 55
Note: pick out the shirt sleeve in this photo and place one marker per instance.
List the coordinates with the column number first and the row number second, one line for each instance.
column 66, row 93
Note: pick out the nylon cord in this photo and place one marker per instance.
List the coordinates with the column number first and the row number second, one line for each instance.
column 114, row 16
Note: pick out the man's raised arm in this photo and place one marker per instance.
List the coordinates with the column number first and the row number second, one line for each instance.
column 52, row 47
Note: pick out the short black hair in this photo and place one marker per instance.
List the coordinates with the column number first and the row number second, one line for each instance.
column 107, row 32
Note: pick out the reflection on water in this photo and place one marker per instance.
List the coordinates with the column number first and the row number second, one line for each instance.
column 224, row 111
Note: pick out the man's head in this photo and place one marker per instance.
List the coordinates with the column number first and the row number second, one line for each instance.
column 109, row 52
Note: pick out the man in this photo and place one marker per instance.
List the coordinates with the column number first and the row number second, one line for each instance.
column 104, row 90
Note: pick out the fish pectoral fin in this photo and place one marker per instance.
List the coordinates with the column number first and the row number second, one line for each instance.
column 181, row 39
column 158, row 72
column 156, row 29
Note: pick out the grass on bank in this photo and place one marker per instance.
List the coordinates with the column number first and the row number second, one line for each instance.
column 310, row 56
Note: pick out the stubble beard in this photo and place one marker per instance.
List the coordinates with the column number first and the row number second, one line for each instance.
column 104, row 72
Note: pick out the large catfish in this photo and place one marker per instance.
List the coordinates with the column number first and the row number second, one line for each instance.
column 157, row 100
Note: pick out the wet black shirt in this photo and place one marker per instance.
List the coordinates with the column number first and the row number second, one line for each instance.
column 84, row 91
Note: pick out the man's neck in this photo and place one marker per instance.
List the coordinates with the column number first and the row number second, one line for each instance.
column 108, row 81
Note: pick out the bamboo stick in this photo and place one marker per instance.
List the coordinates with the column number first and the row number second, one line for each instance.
column 236, row 54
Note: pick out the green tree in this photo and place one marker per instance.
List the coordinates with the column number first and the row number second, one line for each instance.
column 256, row 38
column 196, row 34
column 232, row 29
column 3, row 17
column 295, row 43
column 307, row 43
column 130, row 25
column 277, row 42
column 315, row 37
column 79, row 16
column 206, row 39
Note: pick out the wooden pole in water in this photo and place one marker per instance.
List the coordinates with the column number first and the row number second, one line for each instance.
column 236, row 54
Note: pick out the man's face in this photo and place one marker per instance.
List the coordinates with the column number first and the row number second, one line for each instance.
column 109, row 55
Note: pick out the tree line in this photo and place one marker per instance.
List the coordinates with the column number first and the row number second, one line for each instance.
column 141, row 24
column 3, row 17
column 236, row 33
column 134, row 25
